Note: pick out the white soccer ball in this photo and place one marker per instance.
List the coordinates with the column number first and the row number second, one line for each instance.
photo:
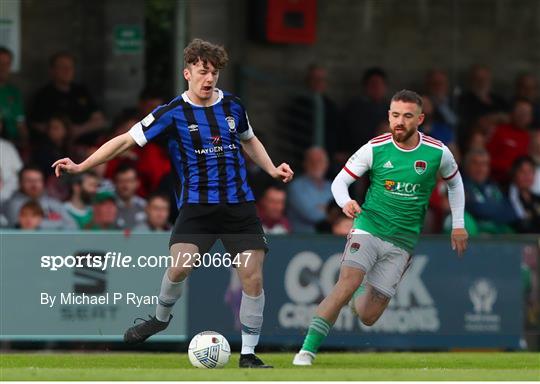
column 209, row 349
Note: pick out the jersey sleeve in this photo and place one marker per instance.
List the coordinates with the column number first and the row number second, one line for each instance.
column 360, row 162
column 245, row 131
column 152, row 126
column 448, row 167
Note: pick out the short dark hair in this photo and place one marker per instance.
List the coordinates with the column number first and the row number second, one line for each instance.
column 408, row 96
column 158, row 195
column 29, row 167
column 59, row 55
column 205, row 51
column 6, row 51
column 125, row 167
column 518, row 163
column 373, row 71
column 34, row 207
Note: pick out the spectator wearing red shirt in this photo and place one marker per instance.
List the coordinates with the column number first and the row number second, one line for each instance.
column 271, row 209
column 510, row 141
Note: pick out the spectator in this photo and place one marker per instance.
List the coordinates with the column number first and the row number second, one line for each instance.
column 105, row 183
column 151, row 162
column 130, row 206
column 10, row 165
column 437, row 129
column 11, row 103
column 333, row 212
column 372, row 106
column 342, row 226
column 157, row 214
column 31, row 216
column 437, row 90
column 105, row 212
column 149, row 99
column 271, row 210
column 534, row 152
column 302, row 125
column 509, row 141
column 309, row 194
column 62, row 96
column 122, row 124
column 32, row 187
column 83, row 190
column 55, row 145
column 527, row 89
column 483, row 199
column 479, row 99
column 526, row 203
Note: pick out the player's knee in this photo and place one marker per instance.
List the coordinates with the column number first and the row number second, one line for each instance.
column 253, row 282
column 177, row 274
column 369, row 320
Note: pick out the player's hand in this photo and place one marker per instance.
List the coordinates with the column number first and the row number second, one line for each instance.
column 65, row 165
column 459, row 238
column 351, row 209
column 283, row 172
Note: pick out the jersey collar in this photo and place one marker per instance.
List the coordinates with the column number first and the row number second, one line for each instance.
column 408, row 150
column 188, row 100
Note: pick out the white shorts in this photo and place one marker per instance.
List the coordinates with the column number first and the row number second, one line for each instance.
column 383, row 262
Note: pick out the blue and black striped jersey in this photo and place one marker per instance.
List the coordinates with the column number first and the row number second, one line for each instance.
column 204, row 148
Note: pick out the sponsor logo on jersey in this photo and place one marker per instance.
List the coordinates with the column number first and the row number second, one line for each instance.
column 216, row 140
column 420, row 166
column 388, row 164
column 217, row 150
column 231, row 123
column 355, row 247
column 401, row 188
column 193, row 127
column 148, row 120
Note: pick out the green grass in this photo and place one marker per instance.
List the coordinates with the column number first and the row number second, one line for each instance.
column 329, row 366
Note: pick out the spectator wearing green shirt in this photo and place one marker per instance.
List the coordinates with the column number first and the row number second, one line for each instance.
column 11, row 102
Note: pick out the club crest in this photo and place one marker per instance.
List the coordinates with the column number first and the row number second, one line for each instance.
column 420, row 166
column 355, row 247
column 231, row 123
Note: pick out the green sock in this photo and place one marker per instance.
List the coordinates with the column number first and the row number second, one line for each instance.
column 317, row 332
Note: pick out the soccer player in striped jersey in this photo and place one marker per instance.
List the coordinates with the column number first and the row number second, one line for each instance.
column 206, row 129
column 403, row 166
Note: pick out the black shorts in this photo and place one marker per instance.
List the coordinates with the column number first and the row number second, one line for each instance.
column 237, row 225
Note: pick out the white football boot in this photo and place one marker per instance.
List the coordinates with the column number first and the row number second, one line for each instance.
column 303, row 358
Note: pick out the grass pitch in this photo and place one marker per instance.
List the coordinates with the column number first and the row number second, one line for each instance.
column 329, row 366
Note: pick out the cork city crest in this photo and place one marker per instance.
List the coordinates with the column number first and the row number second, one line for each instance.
column 420, row 166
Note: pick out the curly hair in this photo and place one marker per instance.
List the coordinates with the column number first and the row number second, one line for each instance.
column 206, row 52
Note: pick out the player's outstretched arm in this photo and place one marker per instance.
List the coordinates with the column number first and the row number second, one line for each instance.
column 256, row 151
column 106, row 152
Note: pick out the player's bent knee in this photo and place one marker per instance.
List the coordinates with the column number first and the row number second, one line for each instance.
column 369, row 320
column 178, row 273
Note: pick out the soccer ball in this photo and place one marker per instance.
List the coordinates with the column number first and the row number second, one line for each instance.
column 209, row 349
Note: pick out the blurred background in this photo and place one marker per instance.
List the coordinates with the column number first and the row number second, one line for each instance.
column 316, row 77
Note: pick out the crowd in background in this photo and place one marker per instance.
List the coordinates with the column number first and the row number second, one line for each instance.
column 495, row 139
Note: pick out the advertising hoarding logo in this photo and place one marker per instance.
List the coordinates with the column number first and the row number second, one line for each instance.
column 483, row 295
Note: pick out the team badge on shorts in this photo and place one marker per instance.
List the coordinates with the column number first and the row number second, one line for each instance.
column 354, row 247
column 231, row 123
column 420, row 166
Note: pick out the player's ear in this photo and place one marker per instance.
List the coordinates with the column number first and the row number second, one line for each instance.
column 187, row 74
column 421, row 118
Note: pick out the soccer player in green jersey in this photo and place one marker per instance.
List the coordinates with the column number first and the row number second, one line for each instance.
column 403, row 166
